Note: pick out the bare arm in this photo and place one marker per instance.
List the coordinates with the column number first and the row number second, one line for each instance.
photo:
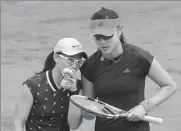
column 22, row 109
column 87, row 91
column 167, row 89
column 74, row 116
column 163, row 79
column 87, row 87
column 74, row 113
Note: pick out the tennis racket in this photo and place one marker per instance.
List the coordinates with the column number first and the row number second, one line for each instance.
column 102, row 109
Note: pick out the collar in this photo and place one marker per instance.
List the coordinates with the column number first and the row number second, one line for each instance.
column 51, row 81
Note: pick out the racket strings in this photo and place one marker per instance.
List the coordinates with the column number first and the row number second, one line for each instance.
column 111, row 110
column 107, row 109
column 118, row 112
column 90, row 104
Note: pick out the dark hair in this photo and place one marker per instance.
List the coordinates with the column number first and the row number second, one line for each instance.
column 105, row 13
column 49, row 63
column 122, row 38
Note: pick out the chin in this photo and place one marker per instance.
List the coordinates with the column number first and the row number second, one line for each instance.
column 108, row 52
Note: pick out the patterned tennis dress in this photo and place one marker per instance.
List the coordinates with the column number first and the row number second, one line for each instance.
column 50, row 108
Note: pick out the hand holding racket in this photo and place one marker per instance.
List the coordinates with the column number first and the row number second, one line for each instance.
column 103, row 109
column 136, row 113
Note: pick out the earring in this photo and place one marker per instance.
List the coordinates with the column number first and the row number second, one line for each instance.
column 102, row 58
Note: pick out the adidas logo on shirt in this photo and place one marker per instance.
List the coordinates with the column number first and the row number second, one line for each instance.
column 126, row 70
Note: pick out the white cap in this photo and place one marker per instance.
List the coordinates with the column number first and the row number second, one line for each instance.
column 69, row 47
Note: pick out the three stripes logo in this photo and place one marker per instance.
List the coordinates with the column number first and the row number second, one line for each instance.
column 126, row 70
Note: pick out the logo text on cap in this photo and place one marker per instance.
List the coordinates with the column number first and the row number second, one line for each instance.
column 100, row 24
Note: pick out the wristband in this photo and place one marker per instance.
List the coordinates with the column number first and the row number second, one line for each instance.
column 148, row 105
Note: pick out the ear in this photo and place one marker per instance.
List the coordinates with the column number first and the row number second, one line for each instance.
column 119, row 29
column 55, row 58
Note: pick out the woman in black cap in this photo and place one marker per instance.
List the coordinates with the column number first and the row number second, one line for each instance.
column 44, row 102
column 116, row 74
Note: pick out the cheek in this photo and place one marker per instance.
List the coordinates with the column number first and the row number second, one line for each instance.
column 113, row 43
column 115, row 38
column 62, row 64
column 98, row 43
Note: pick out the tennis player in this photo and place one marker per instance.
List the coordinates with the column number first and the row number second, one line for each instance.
column 116, row 74
column 44, row 102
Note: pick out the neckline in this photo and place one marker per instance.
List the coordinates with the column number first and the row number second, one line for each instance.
column 116, row 59
column 51, row 81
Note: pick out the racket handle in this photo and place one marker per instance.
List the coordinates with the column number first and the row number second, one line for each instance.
column 153, row 119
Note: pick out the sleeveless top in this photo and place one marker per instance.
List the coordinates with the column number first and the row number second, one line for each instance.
column 50, row 107
column 120, row 84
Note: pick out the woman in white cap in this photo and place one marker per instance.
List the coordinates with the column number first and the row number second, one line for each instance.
column 116, row 74
column 44, row 102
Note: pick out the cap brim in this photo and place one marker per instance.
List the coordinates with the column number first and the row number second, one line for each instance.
column 104, row 26
column 80, row 54
column 103, row 31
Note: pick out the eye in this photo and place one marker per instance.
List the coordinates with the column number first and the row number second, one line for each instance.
column 80, row 62
column 70, row 60
column 96, row 38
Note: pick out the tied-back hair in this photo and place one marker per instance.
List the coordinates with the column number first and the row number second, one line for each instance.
column 49, row 63
column 122, row 38
column 104, row 13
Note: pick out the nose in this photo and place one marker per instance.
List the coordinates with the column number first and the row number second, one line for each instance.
column 103, row 41
column 74, row 66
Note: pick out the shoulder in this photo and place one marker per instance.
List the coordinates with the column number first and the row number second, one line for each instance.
column 138, row 51
column 94, row 57
column 142, row 58
column 26, row 93
column 36, row 79
column 92, row 60
column 89, row 65
column 33, row 82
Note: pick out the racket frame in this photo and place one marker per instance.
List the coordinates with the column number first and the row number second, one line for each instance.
column 121, row 113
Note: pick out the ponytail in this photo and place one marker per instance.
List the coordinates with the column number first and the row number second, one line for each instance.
column 49, row 63
column 122, row 38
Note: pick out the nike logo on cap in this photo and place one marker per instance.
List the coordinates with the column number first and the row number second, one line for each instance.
column 75, row 46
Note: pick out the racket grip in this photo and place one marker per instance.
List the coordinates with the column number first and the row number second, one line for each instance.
column 153, row 119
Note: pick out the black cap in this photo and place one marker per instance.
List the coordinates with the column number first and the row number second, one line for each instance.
column 104, row 13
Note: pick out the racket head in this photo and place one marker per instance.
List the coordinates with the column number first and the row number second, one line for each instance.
column 88, row 104
column 94, row 106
